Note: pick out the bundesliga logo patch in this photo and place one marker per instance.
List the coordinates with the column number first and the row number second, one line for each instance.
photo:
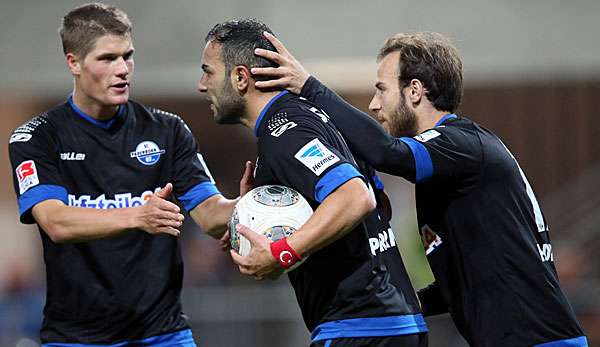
column 147, row 153
column 27, row 175
column 315, row 156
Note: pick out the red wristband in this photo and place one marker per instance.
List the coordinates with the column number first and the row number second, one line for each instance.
column 284, row 254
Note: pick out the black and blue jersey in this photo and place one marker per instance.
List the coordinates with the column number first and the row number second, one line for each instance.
column 356, row 286
column 127, row 287
column 483, row 231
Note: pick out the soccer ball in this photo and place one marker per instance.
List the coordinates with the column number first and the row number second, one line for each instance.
column 273, row 211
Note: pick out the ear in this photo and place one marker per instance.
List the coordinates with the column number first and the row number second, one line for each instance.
column 416, row 91
column 240, row 78
column 73, row 63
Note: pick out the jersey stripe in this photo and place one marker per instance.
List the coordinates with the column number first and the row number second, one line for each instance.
column 38, row 194
column 370, row 327
column 423, row 163
column 181, row 338
column 580, row 341
column 197, row 194
column 333, row 179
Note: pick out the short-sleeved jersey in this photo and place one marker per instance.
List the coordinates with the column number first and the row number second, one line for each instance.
column 483, row 231
column 360, row 275
column 125, row 287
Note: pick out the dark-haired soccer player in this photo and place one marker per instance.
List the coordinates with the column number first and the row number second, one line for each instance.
column 353, row 290
column 95, row 173
column 484, row 233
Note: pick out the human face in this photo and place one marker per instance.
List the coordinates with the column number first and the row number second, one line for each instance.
column 389, row 104
column 227, row 105
column 103, row 76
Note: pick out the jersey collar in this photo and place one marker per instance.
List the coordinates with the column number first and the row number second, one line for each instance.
column 102, row 124
column 445, row 118
column 265, row 109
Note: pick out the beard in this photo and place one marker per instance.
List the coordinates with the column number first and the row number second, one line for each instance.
column 232, row 107
column 403, row 123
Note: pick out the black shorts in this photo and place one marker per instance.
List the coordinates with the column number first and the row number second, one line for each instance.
column 416, row 340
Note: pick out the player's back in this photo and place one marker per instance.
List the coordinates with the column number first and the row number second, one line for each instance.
column 488, row 244
column 359, row 275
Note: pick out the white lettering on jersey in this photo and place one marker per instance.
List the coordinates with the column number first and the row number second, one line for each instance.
column 539, row 218
column 205, row 167
column 19, row 137
column 546, row 252
column 123, row 200
column 27, row 175
column 384, row 241
column 72, row 156
column 430, row 239
column 315, row 156
column 428, row 135
column 324, row 116
column 277, row 132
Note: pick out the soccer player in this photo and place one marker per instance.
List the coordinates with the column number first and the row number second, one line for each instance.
column 483, row 231
column 352, row 288
column 95, row 174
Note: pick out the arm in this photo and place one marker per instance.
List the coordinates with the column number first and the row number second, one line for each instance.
column 65, row 223
column 372, row 143
column 212, row 215
column 432, row 301
column 332, row 220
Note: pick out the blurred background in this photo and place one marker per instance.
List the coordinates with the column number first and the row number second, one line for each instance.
column 532, row 75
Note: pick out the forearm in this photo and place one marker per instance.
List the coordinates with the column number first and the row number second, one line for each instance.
column 77, row 224
column 432, row 301
column 364, row 135
column 334, row 218
column 213, row 214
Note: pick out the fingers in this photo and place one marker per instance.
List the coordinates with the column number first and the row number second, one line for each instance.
column 169, row 230
column 165, row 192
column 253, row 237
column 276, row 43
column 224, row 242
column 269, row 71
column 279, row 83
column 270, row 55
column 247, row 181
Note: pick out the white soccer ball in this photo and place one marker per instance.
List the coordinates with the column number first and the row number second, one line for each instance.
column 273, row 211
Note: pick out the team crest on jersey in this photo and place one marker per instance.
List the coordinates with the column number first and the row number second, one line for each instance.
column 27, row 175
column 147, row 153
column 430, row 239
column 315, row 156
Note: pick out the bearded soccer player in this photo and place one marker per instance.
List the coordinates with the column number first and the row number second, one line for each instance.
column 95, row 173
column 485, row 236
column 350, row 292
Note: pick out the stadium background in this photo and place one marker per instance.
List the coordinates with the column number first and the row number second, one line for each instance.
column 532, row 75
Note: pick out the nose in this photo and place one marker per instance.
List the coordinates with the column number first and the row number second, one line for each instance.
column 201, row 86
column 374, row 105
column 123, row 68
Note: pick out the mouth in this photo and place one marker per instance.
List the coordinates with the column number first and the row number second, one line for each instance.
column 120, row 87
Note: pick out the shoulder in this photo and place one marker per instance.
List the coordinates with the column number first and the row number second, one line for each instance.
column 41, row 125
column 298, row 114
column 157, row 115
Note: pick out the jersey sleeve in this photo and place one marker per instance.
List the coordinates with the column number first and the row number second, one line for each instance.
column 441, row 153
column 306, row 159
column 34, row 159
column 192, row 181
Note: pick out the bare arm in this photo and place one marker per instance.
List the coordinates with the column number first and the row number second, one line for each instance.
column 213, row 214
column 332, row 220
column 65, row 223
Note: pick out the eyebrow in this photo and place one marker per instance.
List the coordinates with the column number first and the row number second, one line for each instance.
column 114, row 55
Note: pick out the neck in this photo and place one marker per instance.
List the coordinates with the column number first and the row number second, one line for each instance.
column 92, row 108
column 428, row 118
column 254, row 106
